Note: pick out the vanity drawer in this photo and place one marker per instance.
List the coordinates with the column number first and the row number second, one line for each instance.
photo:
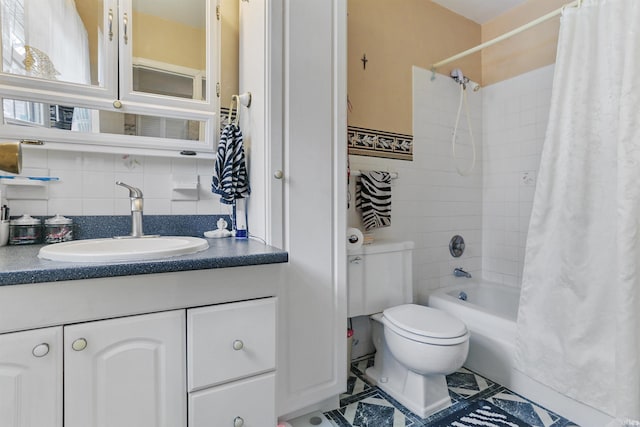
column 246, row 403
column 230, row 341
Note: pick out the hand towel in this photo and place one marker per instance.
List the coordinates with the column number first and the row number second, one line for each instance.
column 373, row 198
column 230, row 177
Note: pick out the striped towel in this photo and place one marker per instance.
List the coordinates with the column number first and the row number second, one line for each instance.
column 230, row 177
column 373, row 199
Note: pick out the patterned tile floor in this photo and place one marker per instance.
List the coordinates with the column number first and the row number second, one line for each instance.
column 364, row 405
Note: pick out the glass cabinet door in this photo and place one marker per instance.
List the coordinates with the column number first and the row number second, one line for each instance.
column 138, row 72
column 165, row 52
column 54, row 44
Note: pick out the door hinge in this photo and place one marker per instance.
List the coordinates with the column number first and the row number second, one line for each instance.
column 218, row 12
column 218, row 89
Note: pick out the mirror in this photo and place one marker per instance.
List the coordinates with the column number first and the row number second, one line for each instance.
column 85, row 120
column 169, row 47
column 66, row 41
column 167, row 58
column 48, row 39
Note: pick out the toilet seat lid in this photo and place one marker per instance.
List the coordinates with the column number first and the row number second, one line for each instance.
column 425, row 321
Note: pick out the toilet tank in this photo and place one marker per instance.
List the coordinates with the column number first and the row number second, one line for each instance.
column 379, row 276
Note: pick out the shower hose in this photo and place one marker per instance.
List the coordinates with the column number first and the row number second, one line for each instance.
column 463, row 100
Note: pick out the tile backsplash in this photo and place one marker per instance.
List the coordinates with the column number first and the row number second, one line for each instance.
column 87, row 184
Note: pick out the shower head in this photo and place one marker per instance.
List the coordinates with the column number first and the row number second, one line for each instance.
column 456, row 74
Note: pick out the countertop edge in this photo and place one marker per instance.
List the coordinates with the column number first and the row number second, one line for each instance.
column 256, row 254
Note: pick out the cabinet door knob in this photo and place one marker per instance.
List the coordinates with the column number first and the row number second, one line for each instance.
column 41, row 350
column 238, row 422
column 278, row 174
column 117, row 103
column 79, row 344
column 238, row 345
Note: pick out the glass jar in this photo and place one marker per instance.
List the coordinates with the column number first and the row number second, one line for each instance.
column 25, row 230
column 58, row 229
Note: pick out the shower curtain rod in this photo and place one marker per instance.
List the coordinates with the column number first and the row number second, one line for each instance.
column 544, row 18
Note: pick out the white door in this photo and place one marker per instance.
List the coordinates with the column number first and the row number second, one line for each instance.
column 31, row 378
column 260, row 72
column 126, row 372
column 313, row 318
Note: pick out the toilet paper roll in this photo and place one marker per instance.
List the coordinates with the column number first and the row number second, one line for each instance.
column 354, row 238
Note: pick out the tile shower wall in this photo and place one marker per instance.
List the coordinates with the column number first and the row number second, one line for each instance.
column 431, row 202
column 515, row 114
column 87, row 184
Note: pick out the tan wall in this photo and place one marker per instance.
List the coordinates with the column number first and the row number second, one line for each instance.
column 395, row 35
column 527, row 51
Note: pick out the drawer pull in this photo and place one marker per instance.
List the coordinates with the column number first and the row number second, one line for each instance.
column 238, row 345
column 79, row 344
column 238, row 422
column 41, row 350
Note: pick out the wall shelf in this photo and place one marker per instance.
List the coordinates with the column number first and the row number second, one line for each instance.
column 28, row 182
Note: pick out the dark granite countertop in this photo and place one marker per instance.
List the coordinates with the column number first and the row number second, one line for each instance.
column 21, row 265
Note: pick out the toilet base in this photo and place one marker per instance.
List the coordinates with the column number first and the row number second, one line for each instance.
column 423, row 395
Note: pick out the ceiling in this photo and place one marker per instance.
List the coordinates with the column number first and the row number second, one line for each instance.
column 479, row 11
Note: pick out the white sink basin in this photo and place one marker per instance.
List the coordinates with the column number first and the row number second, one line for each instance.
column 130, row 249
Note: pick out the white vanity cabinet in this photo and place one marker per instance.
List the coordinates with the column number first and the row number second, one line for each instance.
column 31, row 378
column 126, row 372
column 194, row 366
column 246, row 403
column 231, row 362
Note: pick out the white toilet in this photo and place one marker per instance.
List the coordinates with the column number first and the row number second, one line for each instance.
column 416, row 346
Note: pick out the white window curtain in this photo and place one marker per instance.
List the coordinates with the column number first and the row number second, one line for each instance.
column 579, row 318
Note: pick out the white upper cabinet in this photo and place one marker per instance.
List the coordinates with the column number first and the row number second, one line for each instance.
column 124, row 73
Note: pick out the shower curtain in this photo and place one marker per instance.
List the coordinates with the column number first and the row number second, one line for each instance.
column 579, row 317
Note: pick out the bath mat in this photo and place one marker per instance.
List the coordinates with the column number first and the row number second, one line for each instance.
column 480, row 413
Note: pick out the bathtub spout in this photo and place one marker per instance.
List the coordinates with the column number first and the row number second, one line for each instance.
column 459, row 272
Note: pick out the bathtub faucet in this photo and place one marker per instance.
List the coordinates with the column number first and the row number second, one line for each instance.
column 459, row 272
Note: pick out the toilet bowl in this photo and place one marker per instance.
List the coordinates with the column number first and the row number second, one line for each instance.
column 416, row 347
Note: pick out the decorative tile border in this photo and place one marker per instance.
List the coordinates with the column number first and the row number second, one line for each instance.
column 376, row 143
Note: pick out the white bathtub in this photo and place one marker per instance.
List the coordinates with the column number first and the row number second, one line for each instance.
column 490, row 312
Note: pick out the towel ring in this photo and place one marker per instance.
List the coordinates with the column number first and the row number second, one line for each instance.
column 242, row 99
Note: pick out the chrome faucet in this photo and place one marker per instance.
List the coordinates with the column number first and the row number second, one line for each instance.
column 135, row 194
column 459, row 272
